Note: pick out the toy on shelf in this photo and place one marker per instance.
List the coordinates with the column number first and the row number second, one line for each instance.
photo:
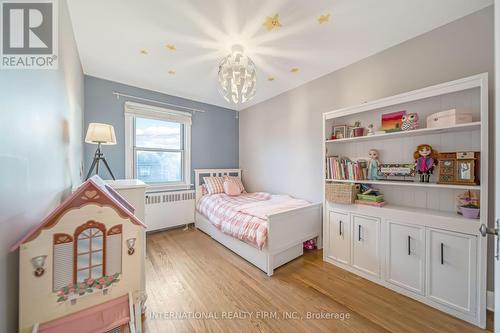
column 409, row 121
column 370, row 130
column 425, row 161
column 75, row 268
column 373, row 163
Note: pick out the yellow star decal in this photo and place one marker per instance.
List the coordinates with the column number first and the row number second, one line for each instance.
column 272, row 22
column 324, row 19
column 171, row 72
column 143, row 51
column 171, row 47
column 294, row 70
column 271, row 78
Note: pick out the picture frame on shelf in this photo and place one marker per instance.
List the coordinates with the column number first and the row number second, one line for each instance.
column 393, row 121
column 459, row 168
column 397, row 171
column 340, row 132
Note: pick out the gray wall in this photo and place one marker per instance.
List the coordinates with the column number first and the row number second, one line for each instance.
column 41, row 118
column 280, row 139
column 214, row 132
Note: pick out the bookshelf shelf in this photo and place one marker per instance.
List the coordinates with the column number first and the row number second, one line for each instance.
column 417, row 132
column 402, row 183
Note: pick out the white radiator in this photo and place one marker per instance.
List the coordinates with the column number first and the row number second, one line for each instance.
column 169, row 209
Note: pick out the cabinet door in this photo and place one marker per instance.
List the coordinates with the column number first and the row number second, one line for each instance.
column 406, row 256
column 365, row 244
column 451, row 272
column 339, row 241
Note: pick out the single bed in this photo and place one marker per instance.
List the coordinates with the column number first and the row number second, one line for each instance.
column 286, row 230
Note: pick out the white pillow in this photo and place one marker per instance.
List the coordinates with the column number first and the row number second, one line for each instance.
column 237, row 181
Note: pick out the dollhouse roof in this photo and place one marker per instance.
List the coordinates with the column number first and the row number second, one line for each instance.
column 95, row 191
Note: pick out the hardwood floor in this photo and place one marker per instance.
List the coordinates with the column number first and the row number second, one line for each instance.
column 192, row 280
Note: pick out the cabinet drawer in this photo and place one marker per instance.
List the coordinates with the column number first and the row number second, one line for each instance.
column 451, row 269
column 406, row 256
column 365, row 244
column 339, row 233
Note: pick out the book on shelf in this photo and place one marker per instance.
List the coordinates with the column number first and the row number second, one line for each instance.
column 370, row 203
column 343, row 168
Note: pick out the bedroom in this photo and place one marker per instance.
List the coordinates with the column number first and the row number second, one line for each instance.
column 279, row 166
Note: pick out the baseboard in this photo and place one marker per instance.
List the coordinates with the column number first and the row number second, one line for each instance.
column 490, row 300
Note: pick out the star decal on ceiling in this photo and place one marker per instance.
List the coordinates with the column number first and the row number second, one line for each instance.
column 143, row 51
column 294, row 70
column 171, row 47
column 324, row 19
column 271, row 78
column 171, row 72
column 272, row 22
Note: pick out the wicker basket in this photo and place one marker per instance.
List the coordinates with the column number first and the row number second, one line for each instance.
column 341, row 193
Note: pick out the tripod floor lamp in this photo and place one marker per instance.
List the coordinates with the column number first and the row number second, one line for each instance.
column 100, row 134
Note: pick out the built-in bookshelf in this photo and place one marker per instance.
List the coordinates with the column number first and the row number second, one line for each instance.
column 398, row 147
column 417, row 239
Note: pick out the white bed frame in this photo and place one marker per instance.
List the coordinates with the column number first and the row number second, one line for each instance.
column 287, row 230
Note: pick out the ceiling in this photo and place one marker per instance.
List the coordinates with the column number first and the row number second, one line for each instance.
column 174, row 46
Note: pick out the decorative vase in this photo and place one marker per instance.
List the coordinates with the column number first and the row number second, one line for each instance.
column 470, row 213
column 358, row 131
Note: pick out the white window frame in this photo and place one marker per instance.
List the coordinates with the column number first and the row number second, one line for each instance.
column 133, row 110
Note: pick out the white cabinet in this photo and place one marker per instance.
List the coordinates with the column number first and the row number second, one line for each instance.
column 451, row 269
column 405, row 259
column 339, row 233
column 365, row 244
column 435, row 266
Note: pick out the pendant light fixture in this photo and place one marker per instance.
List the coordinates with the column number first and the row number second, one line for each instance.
column 237, row 77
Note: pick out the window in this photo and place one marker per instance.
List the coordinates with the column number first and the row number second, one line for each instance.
column 89, row 251
column 158, row 145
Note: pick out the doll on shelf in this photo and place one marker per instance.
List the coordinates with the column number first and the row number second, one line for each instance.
column 372, row 173
column 425, row 161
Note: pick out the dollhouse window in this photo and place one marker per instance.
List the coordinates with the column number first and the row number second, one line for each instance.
column 90, row 251
column 63, row 261
column 114, row 250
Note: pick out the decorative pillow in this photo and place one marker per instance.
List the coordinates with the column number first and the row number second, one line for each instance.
column 214, row 185
column 231, row 188
column 237, row 181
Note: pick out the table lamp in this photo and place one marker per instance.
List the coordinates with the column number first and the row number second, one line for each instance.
column 100, row 134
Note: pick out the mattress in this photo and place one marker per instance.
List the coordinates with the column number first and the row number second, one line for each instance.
column 245, row 216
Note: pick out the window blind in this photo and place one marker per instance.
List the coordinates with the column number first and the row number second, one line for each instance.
column 154, row 112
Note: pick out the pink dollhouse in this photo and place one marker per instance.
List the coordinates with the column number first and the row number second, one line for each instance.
column 81, row 269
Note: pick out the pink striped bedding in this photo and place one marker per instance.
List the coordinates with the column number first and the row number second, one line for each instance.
column 243, row 216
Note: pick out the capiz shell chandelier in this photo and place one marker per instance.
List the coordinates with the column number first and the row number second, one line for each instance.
column 237, row 77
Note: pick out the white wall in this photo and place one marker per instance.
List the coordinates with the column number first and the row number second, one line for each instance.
column 280, row 139
column 41, row 119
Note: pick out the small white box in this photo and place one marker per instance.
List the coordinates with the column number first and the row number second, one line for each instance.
column 448, row 118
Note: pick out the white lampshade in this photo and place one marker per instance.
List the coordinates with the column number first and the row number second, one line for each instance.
column 100, row 133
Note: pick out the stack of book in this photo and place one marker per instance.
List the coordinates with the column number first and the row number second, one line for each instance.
column 342, row 168
column 370, row 196
column 371, row 200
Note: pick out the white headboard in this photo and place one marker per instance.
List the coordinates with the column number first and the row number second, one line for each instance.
column 200, row 173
